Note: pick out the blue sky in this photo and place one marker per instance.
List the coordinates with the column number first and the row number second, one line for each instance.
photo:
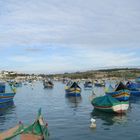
column 55, row 36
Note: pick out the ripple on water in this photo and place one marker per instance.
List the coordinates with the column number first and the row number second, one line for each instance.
column 69, row 118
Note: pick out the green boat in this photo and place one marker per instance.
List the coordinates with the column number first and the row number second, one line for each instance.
column 110, row 104
column 36, row 131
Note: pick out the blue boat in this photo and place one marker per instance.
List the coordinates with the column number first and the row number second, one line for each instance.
column 121, row 95
column 88, row 85
column 99, row 83
column 135, row 92
column 48, row 84
column 133, row 85
column 121, row 92
column 73, row 89
column 7, row 92
column 5, row 106
column 134, row 88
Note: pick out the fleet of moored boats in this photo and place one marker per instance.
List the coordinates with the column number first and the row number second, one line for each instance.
column 115, row 100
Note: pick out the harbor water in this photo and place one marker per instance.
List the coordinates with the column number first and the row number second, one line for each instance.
column 69, row 118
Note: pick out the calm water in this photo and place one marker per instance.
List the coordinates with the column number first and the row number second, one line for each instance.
column 69, row 119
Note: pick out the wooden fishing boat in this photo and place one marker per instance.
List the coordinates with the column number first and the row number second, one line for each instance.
column 110, row 104
column 73, row 89
column 88, row 85
column 15, row 83
column 135, row 92
column 121, row 92
column 48, row 84
column 36, row 131
column 132, row 85
column 134, row 88
column 6, row 105
column 121, row 95
column 7, row 92
column 98, row 83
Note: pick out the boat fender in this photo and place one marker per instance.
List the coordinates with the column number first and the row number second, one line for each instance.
column 93, row 123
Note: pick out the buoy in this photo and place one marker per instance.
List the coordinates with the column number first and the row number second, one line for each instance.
column 93, row 123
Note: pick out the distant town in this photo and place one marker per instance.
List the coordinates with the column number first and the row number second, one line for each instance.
column 117, row 73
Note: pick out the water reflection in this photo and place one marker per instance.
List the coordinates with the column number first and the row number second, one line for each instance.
column 73, row 101
column 6, row 114
column 109, row 118
column 4, row 107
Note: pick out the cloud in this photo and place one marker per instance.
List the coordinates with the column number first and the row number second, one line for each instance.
column 70, row 22
column 77, row 60
column 21, row 59
column 69, row 35
column 33, row 49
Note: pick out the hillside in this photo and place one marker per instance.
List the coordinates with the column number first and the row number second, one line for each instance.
column 125, row 73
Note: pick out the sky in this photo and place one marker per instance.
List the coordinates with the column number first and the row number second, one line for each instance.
column 56, row 36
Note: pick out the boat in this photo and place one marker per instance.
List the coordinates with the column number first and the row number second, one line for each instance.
column 135, row 92
column 98, row 83
column 110, row 88
column 36, row 131
column 121, row 92
column 64, row 80
column 109, row 104
column 134, row 88
column 16, row 84
column 48, row 84
column 88, row 85
column 7, row 92
column 131, row 85
column 73, row 89
column 6, row 105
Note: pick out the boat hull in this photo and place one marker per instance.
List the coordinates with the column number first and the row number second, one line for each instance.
column 88, row 85
column 99, row 85
column 48, row 86
column 88, row 88
column 120, row 108
column 134, row 89
column 73, row 94
column 73, row 91
column 110, row 104
column 135, row 92
column 122, row 95
column 6, row 97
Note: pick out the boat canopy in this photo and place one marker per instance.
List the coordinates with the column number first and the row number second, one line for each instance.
column 75, row 85
column 120, row 86
column 104, row 101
